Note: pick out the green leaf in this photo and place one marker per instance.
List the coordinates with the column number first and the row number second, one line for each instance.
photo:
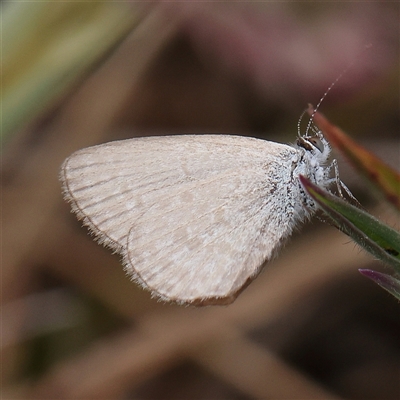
column 387, row 282
column 374, row 236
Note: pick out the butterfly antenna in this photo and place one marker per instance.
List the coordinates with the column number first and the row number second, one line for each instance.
column 299, row 123
column 332, row 85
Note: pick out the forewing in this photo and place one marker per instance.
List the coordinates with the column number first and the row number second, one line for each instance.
column 192, row 215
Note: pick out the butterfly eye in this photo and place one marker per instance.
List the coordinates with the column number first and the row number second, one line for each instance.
column 317, row 143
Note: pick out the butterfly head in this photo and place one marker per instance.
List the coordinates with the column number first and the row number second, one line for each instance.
column 317, row 147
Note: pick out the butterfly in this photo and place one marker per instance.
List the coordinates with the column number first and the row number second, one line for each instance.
column 195, row 217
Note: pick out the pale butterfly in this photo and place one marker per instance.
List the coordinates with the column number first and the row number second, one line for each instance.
column 195, row 217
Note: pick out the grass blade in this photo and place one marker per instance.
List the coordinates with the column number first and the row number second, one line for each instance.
column 387, row 282
column 374, row 236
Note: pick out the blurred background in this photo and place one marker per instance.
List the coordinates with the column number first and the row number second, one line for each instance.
column 78, row 74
